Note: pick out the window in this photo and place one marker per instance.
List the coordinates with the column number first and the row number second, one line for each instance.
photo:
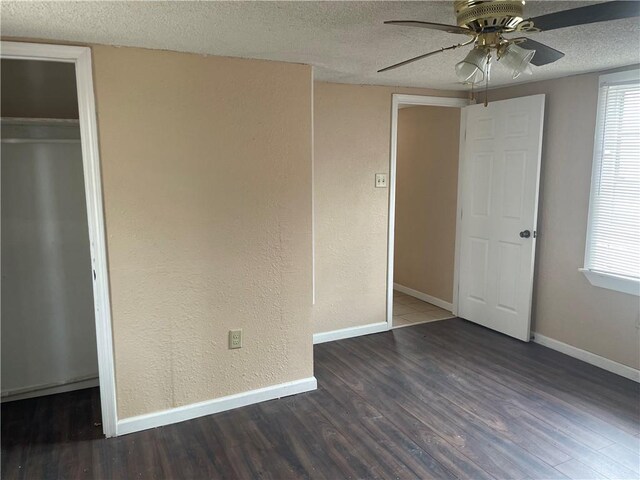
column 612, row 257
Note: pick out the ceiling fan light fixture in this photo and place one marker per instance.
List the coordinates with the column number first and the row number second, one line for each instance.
column 487, row 21
column 517, row 59
column 472, row 68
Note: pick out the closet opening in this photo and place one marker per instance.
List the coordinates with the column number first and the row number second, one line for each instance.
column 48, row 329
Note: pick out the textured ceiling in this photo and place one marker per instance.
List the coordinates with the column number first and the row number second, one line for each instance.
column 346, row 41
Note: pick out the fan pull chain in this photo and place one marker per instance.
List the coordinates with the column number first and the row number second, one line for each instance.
column 486, row 84
column 486, row 93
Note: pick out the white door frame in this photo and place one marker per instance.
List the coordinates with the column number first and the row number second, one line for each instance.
column 396, row 101
column 81, row 58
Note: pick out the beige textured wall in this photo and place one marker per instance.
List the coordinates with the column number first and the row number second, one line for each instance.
column 352, row 130
column 206, row 165
column 566, row 306
column 426, row 195
column 34, row 89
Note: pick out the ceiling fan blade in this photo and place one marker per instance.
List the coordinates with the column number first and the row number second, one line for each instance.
column 420, row 57
column 544, row 54
column 600, row 12
column 432, row 26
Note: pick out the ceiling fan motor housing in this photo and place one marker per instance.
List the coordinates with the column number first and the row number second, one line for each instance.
column 489, row 15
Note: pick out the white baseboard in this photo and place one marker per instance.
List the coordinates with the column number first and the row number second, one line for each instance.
column 350, row 332
column 217, row 405
column 50, row 389
column 588, row 357
column 423, row 296
column 395, row 327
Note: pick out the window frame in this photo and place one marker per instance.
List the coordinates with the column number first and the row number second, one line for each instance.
column 609, row 281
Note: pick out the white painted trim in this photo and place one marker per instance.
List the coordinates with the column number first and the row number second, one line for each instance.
column 427, row 101
column 420, row 323
column 50, row 389
column 95, row 213
column 612, row 282
column 424, row 297
column 350, row 332
column 609, row 281
column 632, row 75
column 217, row 405
column 313, row 192
column 588, row 357
column 594, row 175
column 391, row 232
column 396, row 101
column 42, row 52
column 456, row 255
column 81, row 57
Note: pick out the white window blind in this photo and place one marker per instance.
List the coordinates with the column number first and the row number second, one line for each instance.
column 613, row 236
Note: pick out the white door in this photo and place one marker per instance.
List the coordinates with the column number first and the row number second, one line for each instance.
column 499, row 178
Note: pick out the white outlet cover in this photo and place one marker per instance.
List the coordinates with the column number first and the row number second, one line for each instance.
column 381, row 180
column 235, row 339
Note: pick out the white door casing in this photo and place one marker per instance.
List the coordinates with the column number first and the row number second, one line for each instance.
column 396, row 102
column 81, row 57
column 499, row 181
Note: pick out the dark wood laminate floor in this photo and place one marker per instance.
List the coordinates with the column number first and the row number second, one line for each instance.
column 439, row 400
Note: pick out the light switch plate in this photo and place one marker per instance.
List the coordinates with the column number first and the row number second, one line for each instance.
column 381, row 180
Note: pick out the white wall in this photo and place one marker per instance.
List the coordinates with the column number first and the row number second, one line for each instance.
column 48, row 331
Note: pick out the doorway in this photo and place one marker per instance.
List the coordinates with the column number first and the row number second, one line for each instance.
column 424, row 179
column 500, row 151
column 56, row 326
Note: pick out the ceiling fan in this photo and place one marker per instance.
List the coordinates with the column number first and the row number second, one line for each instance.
column 487, row 21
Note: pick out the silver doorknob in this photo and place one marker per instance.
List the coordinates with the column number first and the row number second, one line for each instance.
column 525, row 234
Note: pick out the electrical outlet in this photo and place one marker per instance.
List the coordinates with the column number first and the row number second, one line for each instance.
column 235, row 339
column 381, row 180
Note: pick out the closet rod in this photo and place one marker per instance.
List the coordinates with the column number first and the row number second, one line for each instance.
column 39, row 121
